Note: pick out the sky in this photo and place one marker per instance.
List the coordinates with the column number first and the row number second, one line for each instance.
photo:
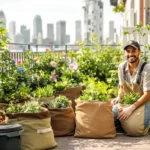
column 24, row 11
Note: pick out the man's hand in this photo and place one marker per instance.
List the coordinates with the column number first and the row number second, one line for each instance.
column 115, row 100
column 124, row 113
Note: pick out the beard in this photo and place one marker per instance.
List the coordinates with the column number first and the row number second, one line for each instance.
column 132, row 59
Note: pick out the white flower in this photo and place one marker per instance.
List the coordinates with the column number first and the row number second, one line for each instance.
column 73, row 66
column 53, row 63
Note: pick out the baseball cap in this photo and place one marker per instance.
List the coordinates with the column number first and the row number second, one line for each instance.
column 133, row 44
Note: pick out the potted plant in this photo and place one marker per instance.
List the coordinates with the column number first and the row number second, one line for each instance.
column 134, row 125
column 94, row 117
column 62, row 116
column 43, row 94
column 36, row 124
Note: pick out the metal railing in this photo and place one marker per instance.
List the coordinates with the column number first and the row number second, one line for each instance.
column 19, row 47
column 17, row 50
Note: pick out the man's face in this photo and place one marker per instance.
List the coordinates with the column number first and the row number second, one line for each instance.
column 132, row 54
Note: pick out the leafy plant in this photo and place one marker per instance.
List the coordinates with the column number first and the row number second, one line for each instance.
column 130, row 98
column 44, row 92
column 59, row 102
column 27, row 107
column 63, row 84
column 119, row 8
column 3, row 37
column 98, row 62
column 95, row 91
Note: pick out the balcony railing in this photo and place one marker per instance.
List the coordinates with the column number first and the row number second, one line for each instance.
column 17, row 50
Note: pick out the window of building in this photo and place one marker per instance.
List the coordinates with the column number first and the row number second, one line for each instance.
column 89, row 22
column 100, row 15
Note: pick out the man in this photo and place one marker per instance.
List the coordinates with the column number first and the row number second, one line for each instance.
column 128, row 72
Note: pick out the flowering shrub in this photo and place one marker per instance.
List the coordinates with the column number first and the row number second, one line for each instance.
column 101, row 63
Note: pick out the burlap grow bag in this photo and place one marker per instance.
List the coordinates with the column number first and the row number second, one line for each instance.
column 134, row 125
column 38, row 134
column 46, row 100
column 71, row 94
column 94, row 119
column 63, row 121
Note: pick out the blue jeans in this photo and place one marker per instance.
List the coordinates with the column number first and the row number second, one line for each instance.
column 146, row 115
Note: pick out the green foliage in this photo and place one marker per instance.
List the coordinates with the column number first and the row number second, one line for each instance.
column 3, row 37
column 130, row 98
column 59, row 102
column 63, row 84
column 120, row 8
column 44, row 92
column 95, row 91
column 100, row 62
column 27, row 107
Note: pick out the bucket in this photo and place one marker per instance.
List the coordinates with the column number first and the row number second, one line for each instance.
column 10, row 136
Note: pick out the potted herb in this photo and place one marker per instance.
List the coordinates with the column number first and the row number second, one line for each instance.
column 36, row 123
column 67, row 88
column 62, row 116
column 94, row 117
column 43, row 94
column 130, row 98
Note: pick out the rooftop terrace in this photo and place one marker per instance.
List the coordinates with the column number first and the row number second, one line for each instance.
column 121, row 142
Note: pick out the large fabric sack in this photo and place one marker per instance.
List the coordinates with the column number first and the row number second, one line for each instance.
column 38, row 134
column 46, row 100
column 134, row 125
column 71, row 94
column 63, row 121
column 94, row 119
column 3, row 106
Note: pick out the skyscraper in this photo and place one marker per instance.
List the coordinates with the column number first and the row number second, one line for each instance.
column 37, row 26
column 111, row 31
column 12, row 31
column 50, row 33
column 78, row 31
column 3, row 19
column 25, row 33
column 12, row 28
column 93, row 19
column 61, row 32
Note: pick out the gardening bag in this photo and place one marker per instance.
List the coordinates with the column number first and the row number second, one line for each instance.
column 46, row 100
column 71, row 94
column 3, row 106
column 134, row 125
column 63, row 121
column 38, row 134
column 94, row 119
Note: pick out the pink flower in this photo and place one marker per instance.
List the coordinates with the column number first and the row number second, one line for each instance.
column 53, row 63
column 18, row 62
column 73, row 66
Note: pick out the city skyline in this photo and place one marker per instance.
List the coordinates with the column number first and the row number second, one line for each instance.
column 59, row 10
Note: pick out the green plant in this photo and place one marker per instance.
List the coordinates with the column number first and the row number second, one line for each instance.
column 59, row 102
column 44, row 92
column 63, row 84
column 4, row 40
column 95, row 90
column 27, row 107
column 119, row 8
column 130, row 98
column 98, row 62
